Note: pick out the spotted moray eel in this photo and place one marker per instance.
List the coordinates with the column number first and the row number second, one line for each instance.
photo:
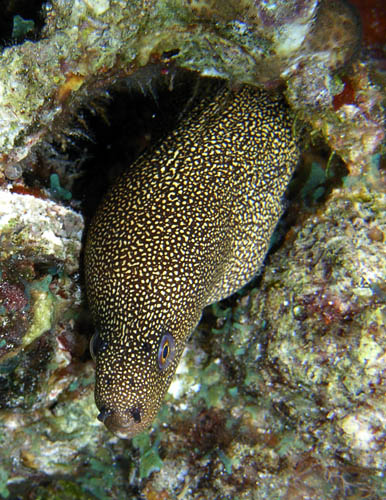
column 187, row 225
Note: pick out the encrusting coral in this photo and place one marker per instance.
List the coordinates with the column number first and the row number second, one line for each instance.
column 86, row 46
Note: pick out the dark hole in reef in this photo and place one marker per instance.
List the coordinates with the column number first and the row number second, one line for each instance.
column 139, row 112
column 50, row 266
column 319, row 171
column 27, row 26
column 53, row 405
column 170, row 53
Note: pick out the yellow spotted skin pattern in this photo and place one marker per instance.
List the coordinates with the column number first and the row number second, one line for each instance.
column 188, row 224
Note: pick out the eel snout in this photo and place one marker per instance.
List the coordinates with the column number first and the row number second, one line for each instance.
column 124, row 425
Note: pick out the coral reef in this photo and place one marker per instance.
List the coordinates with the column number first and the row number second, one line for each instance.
column 281, row 393
column 284, row 398
column 87, row 46
column 40, row 247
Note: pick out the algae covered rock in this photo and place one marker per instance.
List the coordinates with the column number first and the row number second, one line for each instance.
column 323, row 304
column 39, row 256
column 47, row 412
column 86, row 47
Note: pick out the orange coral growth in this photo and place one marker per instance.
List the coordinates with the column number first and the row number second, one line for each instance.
column 73, row 82
column 347, row 96
column 33, row 191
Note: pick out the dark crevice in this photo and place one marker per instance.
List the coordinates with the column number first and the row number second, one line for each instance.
column 28, row 10
column 140, row 112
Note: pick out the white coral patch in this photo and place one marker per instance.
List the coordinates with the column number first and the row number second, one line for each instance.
column 47, row 228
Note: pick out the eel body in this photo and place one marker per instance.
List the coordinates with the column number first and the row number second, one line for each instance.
column 188, row 224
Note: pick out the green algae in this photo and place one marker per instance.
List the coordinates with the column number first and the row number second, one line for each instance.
column 57, row 190
column 226, row 461
column 42, row 317
column 63, row 490
column 4, row 492
column 99, row 480
column 21, row 26
column 149, row 460
column 213, row 394
column 42, row 285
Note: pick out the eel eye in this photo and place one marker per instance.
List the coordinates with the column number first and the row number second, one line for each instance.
column 95, row 345
column 166, row 351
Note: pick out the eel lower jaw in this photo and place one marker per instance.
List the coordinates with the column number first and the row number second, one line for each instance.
column 120, row 425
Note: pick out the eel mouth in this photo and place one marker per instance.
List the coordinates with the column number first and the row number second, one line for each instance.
column 125, row 425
